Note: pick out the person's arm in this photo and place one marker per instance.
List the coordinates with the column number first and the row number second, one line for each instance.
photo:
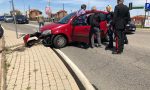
column 83, row 12
column 129, row 18
column 115, row 14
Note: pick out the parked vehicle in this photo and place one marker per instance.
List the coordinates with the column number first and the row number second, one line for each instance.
column 69, row 29
column 21, row 19
column 130, row 28
column 1, row 18
column 8, row 19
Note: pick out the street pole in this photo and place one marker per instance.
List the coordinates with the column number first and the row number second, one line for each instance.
column 10, row 5
column 24, row 7
column 63, row 10
column 14, row 18
column 29, row 12
column 49, row 4
column 145, row 16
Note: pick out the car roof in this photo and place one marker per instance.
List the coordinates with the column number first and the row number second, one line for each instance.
column 97, row 11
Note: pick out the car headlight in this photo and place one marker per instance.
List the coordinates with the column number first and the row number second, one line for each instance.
column 46, row 32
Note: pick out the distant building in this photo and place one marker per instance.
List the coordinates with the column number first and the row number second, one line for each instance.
column 60, row 14
column 32, row 14
column 138, row 20
column 15, row 12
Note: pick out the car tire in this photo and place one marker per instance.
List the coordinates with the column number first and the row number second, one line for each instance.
column 59, row 41
column 1, row 32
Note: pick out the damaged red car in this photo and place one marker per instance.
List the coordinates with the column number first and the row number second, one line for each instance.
column 69, row 29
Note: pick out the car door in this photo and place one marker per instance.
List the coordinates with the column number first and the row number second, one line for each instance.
column 81, row 29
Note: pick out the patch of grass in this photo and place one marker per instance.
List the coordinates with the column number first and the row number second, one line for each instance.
column 28, row 88
column 35, row 70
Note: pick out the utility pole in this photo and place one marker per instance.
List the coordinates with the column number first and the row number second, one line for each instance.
column 145, row 16
column 13, row 12
column 63, row 10
column 10, row 5
column 24, row 7
column 49, row 4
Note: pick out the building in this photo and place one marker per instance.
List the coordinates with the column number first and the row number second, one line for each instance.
column 33, row 13
column 15, row 12
column 138, row 20
column 60, row 14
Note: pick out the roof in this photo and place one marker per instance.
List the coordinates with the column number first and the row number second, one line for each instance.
column 97, row 11
column 32, row 10
column 62, row 11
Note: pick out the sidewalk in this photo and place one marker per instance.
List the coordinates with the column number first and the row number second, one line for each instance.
column 35, row 68
column 1, row 49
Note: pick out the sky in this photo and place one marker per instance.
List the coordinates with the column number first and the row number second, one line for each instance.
column 69, row 5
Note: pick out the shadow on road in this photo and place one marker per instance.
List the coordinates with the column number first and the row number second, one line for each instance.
column 79, row 45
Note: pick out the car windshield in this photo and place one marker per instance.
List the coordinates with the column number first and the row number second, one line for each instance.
column 1, row 16
column 20, row 17
column 8, row 16
column 65, row 19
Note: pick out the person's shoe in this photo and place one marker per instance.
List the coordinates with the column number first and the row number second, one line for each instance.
column 116, row 52
column 91, row 46
column 126, row 42
column 109, row 47
column 98, row 45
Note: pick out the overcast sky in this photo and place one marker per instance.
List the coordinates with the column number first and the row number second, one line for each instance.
column 70, row 5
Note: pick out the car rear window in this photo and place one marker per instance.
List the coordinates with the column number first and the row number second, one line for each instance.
column 103, row 16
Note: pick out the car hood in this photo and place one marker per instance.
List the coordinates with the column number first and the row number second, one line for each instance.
column 52, row 26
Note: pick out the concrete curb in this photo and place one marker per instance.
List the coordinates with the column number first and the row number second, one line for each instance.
column 85, row 82
column 142, row 29
column 3, row 65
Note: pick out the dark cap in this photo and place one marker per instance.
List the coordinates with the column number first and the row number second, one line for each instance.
column 83, row 6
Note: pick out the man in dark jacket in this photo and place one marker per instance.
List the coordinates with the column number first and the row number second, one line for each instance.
column 120, row 20
column 95, row 29
column 110, row 26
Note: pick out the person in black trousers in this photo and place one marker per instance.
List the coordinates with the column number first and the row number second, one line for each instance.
column 95, row 29
column 120, row 20
column 110, row 27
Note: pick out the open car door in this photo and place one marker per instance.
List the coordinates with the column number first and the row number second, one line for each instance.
column 81, row 29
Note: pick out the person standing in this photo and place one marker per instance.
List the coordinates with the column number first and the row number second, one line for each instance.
column 120, row 20
column 40, row 20
column 95, row 28
column 110, row 26
column 82, row 10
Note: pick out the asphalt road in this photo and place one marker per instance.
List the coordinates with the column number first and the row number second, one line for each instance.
column 128, row 71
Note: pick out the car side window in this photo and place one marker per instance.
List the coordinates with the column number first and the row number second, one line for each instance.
column 81, row 20
column 103, row 16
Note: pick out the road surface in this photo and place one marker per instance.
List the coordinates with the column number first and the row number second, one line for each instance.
column 128, row 71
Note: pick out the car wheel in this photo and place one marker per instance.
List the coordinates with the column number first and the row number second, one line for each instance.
column 59, row 41
column 1, row 32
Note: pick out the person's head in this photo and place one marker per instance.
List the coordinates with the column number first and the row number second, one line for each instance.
column 109, row 8
column 83, row 6
column 94, row 8
column 120, row 1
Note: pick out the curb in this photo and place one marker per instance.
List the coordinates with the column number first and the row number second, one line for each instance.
column 142, row 29
column 84, row 81
column 3, row 63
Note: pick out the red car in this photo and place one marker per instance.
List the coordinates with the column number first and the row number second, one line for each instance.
column 69, row 29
